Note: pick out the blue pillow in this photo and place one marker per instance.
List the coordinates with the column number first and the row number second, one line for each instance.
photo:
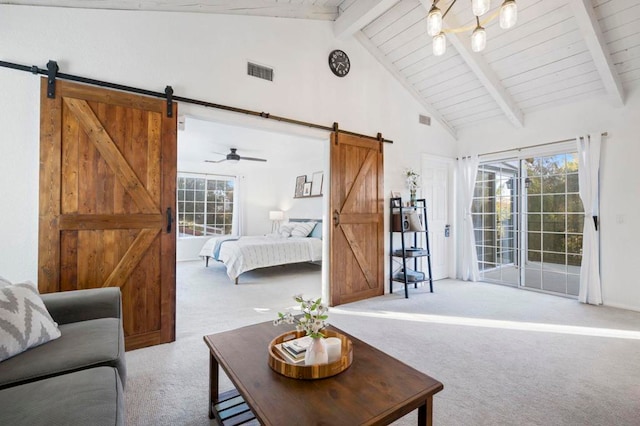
column 317, row 231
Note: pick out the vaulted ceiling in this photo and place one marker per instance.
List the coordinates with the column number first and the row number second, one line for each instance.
column 559, row 52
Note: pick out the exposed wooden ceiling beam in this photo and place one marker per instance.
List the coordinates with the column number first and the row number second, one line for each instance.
column 359, row 15
column 482, row 70
column 592, row 33
column 385, row 62
column 228, row 7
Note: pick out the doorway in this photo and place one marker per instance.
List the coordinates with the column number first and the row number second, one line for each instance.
column 241, row 195
column 528, row 221
column 437, row 175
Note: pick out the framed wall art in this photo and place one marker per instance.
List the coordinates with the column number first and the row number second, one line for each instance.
column 316, row 183
column 306, row 190
column 300, row 181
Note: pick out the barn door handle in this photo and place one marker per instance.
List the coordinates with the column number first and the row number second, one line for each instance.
column 169, row 220
column 336, row 218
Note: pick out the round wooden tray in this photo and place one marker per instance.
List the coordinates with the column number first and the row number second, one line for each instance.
column 301, row 371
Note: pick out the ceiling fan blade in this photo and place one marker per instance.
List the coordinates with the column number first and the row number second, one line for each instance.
column 252, row 158
column 214, row 161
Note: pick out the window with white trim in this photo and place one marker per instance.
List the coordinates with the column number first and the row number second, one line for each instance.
column 205, row 205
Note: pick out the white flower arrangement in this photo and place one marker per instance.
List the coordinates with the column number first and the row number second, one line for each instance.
column 312, row 321
column 412, row 178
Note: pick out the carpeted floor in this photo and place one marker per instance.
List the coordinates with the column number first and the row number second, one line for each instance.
column 505, row 356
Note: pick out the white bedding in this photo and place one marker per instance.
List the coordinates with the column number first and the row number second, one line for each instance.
column 248, row 253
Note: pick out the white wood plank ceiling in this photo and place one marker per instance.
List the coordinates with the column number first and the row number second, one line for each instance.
column 560, row 51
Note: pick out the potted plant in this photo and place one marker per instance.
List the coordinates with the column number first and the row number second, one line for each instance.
column 413, row 182
column 311, row 322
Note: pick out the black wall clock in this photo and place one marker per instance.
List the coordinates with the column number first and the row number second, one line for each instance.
column 339, row 63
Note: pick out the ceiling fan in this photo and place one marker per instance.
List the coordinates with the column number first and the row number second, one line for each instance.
column 233, row 157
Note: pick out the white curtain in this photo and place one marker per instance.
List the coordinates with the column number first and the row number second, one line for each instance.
column 237, row 227
column 468, row 261
column 588, row 176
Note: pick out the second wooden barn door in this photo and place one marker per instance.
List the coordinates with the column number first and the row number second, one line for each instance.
column 357, row 229
column 107, row 194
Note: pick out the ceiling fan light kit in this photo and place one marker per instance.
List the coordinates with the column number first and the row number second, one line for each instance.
column 508, row 17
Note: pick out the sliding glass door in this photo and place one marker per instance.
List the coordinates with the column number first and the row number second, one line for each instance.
column 495, row 222
column 528, row 221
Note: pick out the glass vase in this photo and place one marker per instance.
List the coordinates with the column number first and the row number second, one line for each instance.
column 316, row 352
column 412, row 198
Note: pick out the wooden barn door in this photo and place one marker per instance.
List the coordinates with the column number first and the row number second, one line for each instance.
column 107, row 195
column 357, row 230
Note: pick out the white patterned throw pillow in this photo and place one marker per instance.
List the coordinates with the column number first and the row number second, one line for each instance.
column 24, row 320
column 303, row 229
column 285, row 230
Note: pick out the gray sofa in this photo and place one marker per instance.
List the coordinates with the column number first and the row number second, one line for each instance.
column 77, row 379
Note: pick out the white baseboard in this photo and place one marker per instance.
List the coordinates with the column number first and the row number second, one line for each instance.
column 622, row 306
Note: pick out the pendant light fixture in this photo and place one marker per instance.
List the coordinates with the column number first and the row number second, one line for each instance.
column 439, row 44
column 508, row 18
column 480, row 7
column 478, row 38
column 434, row 21
column 508, row 14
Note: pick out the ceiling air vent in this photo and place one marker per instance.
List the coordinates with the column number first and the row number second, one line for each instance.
column 424, row 119
column 260, row 71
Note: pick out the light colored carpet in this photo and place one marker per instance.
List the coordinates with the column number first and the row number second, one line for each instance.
column 505, row 356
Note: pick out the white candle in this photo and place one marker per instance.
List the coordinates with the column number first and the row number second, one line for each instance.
column 334, row 348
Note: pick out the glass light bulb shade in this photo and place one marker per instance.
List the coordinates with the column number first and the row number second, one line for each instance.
column 434, row 21
column 480, row 7
column 478, row 39
column 439, row 45
column 508, row 14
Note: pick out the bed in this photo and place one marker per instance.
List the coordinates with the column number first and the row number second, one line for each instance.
column 299, row 240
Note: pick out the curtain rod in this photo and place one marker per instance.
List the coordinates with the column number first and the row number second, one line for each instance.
column 208, row 174
column 53, row 74
column 533, row 146
column 526, row 147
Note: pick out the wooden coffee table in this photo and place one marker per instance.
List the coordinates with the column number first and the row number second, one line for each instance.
column 376, row 389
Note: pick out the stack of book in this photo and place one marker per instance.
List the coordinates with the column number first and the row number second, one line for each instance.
column 293, row 351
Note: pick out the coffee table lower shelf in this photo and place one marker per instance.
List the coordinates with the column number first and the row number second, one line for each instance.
column 231, row 410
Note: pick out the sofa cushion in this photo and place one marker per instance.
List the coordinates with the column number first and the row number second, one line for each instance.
column 87, row 397
column 85, row 344
column 24, row 320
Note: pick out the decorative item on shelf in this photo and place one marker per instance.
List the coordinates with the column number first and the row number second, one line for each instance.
column 300, row 181
column 508, row 13
column 413, row 183
column 306, row 189
column 316, row 183
column 312, row 322
column 275, row 216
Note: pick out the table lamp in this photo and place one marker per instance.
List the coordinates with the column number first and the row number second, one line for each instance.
column 276, row 216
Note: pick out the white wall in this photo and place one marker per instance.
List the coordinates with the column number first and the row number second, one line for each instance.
column 619, row 178
column 202, row 56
